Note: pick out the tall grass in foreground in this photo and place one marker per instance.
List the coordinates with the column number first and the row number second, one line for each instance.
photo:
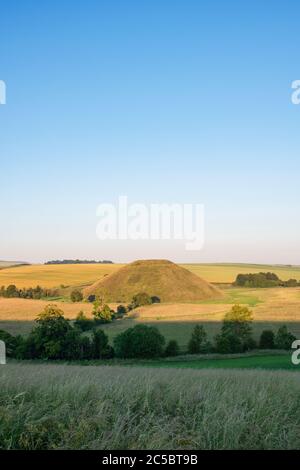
column 74, row 407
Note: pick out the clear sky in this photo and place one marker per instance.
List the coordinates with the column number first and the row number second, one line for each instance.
column 162, row 101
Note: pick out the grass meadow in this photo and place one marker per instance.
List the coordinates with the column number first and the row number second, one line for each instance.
column 73, row 407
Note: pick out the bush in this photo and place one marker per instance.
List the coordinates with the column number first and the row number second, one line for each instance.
column 198, row 341
column 12, row 343
column 284, row 339
column 172, row 348
column 266, row 340
column 11, row 291
column 76, row 296
column 91, row 298
column 141, row 341
column 121, row 311
column 141, row 299
column 102, row 313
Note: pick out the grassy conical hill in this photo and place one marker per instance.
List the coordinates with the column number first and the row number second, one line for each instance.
column 161, row 278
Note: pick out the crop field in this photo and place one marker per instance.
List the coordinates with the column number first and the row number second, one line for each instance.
column 86, row 274
column 226, row 273
column 100, row 407
column 55, row 275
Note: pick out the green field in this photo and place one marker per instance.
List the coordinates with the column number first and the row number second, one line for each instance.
column 273, row 362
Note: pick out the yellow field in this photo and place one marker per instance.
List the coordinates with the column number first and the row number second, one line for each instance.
column 226, row 273
column 55, row 275
column 280, row 304
column 276, row 304
column 28, row 309
column 85, row 274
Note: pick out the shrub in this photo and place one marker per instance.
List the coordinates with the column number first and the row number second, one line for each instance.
column 141, row 341
column 91, row 298
column 12, row 343
column 121, row 310
column 102, row 313
column 12, row 291
column 76, row 296
column 266, row 340
column 198, row 340
column 141, row 299
column 172, row 348
column 283, row 338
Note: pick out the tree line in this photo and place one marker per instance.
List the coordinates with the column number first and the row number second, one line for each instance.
column 54, row 337
column 78, row 261
column 37, row 292
column 263, row 280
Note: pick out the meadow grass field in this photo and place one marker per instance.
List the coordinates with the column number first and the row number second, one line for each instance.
column 74, row 407
column 85, row 274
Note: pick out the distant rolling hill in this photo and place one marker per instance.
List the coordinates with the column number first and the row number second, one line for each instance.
column 11, row 264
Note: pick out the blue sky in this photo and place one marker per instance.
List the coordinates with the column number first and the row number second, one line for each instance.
column 163, row 101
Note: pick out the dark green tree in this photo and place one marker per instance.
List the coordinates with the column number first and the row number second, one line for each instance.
column 283, row 338
column 227, row 343
column 198, row 340
column 236, row 330
column 100, row 345
column 141, row 341
column 83, row 323
column 49, row 334
column 266, row 340
column 172, row 348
